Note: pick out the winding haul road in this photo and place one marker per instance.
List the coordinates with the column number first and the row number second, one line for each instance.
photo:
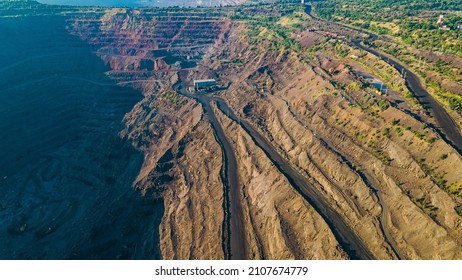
column 235, row 247
column 233, row 228
column 447, row 127
column 368, row 179
column 346, row 237
column 235, row 220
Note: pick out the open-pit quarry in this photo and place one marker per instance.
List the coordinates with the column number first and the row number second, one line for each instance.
column 296, row 158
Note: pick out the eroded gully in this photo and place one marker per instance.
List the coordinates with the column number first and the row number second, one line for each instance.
column 346, row 237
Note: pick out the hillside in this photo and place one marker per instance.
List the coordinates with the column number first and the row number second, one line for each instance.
column 393, row 181
column 312, row 148
column 426, row 35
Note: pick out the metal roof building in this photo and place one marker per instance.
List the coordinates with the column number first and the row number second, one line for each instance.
column 198, row 84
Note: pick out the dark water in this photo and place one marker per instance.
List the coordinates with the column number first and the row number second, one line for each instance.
column 118, row 3
column 132, row 3
column 65, row 174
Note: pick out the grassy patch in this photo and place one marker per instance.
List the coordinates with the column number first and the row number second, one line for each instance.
column 425, row 204
column 172, row 97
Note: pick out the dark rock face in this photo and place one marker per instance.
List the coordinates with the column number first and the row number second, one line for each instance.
column 66, row 175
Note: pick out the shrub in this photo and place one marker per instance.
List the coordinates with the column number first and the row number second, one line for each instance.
column 458, row 209
column 383, row 105
column 386, row 132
